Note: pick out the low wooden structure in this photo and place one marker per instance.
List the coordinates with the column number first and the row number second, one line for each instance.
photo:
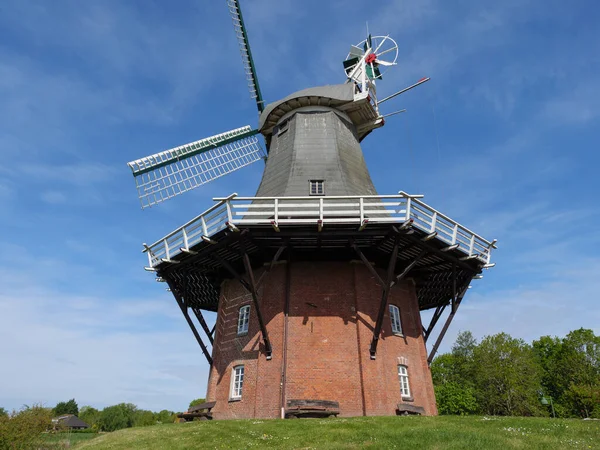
column 201, row 411
column 311, row 408
column 405, row 409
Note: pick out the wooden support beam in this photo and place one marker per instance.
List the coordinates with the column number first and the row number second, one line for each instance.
column 455, row 306
column 408, row 268
column 251, row 288
column 436, row 316
column 253, row 292
column 273, row 261
column 203, row 324
column 384, row 298
column 368, row 264
column 188, row 319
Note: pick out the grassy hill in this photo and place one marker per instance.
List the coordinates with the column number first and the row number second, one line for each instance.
column 372, row 432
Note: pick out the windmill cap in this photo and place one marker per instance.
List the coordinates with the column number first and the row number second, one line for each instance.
column 332, row 95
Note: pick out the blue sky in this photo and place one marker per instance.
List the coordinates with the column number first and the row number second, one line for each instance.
column 87, row 86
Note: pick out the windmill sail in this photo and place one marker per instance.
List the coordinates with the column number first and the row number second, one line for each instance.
column 166, row 174
column 242, row 36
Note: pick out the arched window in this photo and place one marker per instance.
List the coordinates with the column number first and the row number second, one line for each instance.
column 395, row 319
column 403, row 378
column 243, row 319
column 237, row 382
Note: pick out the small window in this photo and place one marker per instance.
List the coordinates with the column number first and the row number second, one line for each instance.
column 282, row 128
column 317, row 187
column 243, row 319
column 395, row 319
column 403, row 377
column 237, row 382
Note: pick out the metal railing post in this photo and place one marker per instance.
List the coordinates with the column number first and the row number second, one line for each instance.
column 434, row 222
column 361, row 206
column 185, row 239
column 321, row 209
column 204, row 229
column 167, row 250
column 229, row 215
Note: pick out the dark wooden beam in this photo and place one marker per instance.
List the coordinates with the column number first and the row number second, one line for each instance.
column 253, row 292
column 251, row 288
column 455, row 305
column 368, row 264
column 273, row 261
column 188, row 319
column 408, row 268
column 384, row 298
column 436, row 316
column 203, row 324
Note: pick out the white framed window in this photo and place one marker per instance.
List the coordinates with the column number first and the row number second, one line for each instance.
column 317, row 187
column 243, row 320
column 395, row 319
column 403, row 378
column 237, row 382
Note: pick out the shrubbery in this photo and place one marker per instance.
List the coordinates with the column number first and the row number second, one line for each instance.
column 23, row 429
column 506, row 376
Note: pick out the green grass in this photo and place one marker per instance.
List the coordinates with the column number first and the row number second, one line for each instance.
column 65, row 440
column 360, row 432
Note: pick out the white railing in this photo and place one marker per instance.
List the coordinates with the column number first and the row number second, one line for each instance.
column 402, row 208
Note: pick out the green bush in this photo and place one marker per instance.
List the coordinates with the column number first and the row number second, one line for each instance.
column 197, row 401
column 453, row 399
column 116, row 417
column 69, row 407
column 23, row 429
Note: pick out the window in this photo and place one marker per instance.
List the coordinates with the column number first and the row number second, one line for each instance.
column 237, row 382
column 395, row 319
column 403, row 377
column 282, row 128
column 243, row 319
column 317, row 187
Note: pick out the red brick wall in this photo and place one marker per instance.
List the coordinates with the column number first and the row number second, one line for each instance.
column 333, row 309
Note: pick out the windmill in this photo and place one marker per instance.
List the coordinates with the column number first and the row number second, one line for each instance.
column 317, row 281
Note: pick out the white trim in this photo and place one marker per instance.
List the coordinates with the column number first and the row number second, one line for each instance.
column 403, row 379
column 243, row 320
column 395, row 320
column 237, row 382
column 308, row 210
column 316, row 187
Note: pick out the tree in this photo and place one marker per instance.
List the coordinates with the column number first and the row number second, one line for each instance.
column 164, row 416
column 453, row 398
column 462, row 351
column 89, row 415
column 69, row 407
column 197, row 401
column 571, row 371
column 116, row 417
column 507, row 376
column 3, row 412
column 143, row 418
column 23, row 429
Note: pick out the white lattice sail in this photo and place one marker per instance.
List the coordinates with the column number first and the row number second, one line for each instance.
column 172, row 172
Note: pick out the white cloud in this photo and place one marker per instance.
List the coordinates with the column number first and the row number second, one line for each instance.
column 59, row 346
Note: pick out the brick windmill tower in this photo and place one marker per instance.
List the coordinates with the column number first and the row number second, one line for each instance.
column 318, row 281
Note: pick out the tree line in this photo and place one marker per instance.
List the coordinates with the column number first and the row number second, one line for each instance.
column 502, row 375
